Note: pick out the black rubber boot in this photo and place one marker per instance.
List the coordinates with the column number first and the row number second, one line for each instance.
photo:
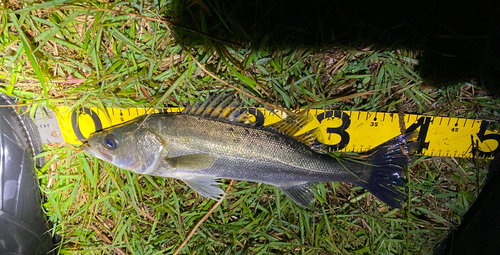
column 23, row 227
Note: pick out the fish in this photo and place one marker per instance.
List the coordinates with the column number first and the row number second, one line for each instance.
column 215, row 139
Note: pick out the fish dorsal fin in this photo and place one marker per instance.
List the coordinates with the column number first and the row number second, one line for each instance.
column 240, row 116
column 220, row 106
column 310, row 137
column 214, row 104
column 294, row 124
column 227, row 102
column 225, row 108
column 191, row 109
column 291, row 124
column 224, row 105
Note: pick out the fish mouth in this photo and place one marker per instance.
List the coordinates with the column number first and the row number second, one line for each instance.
column 94, row 152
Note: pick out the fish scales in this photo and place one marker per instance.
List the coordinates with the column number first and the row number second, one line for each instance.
column 207, row 143
column 257, row 154
column 225, row 139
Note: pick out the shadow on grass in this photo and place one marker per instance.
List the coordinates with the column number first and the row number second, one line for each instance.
column 459, row 38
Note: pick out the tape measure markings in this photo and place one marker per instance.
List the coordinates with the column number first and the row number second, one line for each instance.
column 353, row 131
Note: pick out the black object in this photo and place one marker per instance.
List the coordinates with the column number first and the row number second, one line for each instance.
column 478, row 232
column 459, row 38
column 23, row 228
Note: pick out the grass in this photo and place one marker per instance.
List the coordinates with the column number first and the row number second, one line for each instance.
column 123, row 54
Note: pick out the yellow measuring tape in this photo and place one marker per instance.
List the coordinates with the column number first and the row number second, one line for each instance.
column 352, row 131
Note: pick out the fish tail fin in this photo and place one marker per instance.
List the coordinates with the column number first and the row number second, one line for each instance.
column 384, row 169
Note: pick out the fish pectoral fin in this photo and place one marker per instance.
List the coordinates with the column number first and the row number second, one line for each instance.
column 299, row 193
column 191, row 162
column 206, row 186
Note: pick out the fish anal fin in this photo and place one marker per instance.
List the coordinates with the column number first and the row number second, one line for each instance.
column 206, row 186
column 191, row 161
column 300, row 193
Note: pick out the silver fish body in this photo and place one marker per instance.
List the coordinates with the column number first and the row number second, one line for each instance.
column 199, row 150
column 240, row 152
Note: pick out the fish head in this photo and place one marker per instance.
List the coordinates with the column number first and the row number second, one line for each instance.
column 129, row 147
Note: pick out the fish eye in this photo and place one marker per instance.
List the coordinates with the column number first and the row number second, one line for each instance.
column 110, row 141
